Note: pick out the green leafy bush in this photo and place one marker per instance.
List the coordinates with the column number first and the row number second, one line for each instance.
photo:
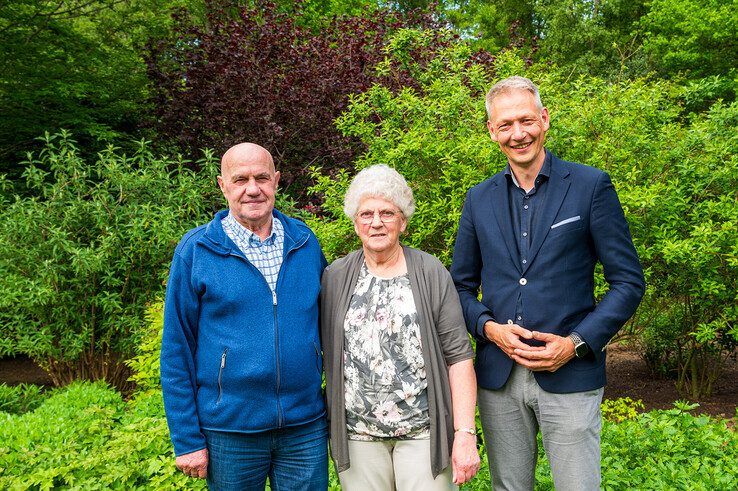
column 85, row 437
column 620, row 409
column 18, row 399
column 665, row 450
column 82, row 256
column 145, row 365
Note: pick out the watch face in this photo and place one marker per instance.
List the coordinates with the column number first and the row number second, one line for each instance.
column 581, row 349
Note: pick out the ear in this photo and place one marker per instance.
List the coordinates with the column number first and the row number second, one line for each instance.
column 403, row 226
column 276, row 179
column 356, row 227
column 221, row 184
column 491, row 131
column 545, row 119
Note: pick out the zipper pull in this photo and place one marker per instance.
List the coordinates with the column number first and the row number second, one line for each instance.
column 222, row 359
column 274, row 297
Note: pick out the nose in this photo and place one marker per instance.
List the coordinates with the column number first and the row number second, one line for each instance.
column 252, row 189
column 518, row 132
column 376, row 221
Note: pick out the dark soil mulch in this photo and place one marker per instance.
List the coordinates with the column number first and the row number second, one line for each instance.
column 22, row 370
column 627, row 376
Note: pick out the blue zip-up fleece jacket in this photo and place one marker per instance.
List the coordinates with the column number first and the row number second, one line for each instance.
column 234, row 357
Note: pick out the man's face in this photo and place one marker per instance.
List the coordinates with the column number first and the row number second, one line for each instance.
column 519, row 127
column 249, row 183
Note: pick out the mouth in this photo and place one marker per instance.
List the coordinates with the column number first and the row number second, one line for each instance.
column 377, row 235
column 521, row 146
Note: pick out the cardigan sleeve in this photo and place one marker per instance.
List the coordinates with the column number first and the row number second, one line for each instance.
column 447, row 314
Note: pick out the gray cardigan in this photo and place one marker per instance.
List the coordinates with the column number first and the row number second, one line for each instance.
column 442, row 333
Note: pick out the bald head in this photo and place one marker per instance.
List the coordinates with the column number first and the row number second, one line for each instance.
column 243, row 153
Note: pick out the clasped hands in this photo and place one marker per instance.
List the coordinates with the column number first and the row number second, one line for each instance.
column 554, row 354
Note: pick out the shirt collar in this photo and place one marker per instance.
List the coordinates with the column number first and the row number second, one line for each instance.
column 253, row 239
column 544, row 172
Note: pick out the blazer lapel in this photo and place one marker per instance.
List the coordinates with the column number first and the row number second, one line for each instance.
column 501, row 209
column 558, row 186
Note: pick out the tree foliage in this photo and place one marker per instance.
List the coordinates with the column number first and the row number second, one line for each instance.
column 84, row 254
column 696, row 38
column 261, row 75
column 73, row 64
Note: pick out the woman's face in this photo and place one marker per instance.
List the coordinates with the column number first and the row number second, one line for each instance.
column 379, row 223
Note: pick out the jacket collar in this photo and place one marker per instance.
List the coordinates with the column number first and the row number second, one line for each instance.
column 558, row 185
column 218, row 241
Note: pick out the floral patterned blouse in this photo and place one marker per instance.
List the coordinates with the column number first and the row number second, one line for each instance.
column 384, row 370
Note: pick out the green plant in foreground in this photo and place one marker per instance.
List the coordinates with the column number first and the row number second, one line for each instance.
column 86, row 437
column 620, row 409
column 18, row 399
column 82, row 255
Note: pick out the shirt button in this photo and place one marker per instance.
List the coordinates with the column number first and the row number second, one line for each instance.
column 526, row 207
column 523, row 281
column 525, row 261
column 520, row 317
column 525, row 234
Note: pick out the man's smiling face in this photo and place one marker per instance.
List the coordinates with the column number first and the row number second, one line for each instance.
column 519, row 126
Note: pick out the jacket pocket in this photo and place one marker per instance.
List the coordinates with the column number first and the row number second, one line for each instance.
column 220, row 374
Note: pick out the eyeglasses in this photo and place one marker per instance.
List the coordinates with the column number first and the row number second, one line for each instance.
column 366, row 217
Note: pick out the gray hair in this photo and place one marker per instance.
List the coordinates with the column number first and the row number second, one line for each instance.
column 515, row 82
column 379, row 181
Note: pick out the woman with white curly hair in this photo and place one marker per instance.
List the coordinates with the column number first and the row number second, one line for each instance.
column 400, row 383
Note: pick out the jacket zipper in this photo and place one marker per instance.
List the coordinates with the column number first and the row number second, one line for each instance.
column 220, row 374
column 280, row 421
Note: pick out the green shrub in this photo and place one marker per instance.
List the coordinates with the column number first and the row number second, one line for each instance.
column 665, row 450
column 145, row 365
column 620, row 409
column 84, row 253
column 18, row 399
column 86, row 437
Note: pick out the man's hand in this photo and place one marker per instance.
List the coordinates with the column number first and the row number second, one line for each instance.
column 507, row 337
column 194, row 464
column 555, row 354
column 464, row 457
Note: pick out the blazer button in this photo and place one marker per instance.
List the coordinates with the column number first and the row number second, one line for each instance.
column 523, row 281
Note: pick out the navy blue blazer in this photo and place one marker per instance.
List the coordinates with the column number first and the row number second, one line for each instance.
column 581, row 222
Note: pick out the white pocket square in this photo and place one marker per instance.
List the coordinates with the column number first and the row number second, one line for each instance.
column 564, row 222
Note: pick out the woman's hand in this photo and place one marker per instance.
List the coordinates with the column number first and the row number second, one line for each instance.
column 464, row 457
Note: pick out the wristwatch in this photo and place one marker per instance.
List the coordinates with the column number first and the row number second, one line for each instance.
column 580, row 347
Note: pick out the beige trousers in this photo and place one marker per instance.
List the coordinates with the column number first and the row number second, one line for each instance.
column 402, row 465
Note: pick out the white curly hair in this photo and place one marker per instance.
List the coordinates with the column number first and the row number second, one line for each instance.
column 379, row 181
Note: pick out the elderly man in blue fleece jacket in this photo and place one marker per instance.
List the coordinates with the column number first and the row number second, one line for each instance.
column 240, row 358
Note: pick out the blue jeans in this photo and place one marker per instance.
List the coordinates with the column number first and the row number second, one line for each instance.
column 294, row 458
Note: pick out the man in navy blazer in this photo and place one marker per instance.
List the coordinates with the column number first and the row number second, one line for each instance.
column 530, row 237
